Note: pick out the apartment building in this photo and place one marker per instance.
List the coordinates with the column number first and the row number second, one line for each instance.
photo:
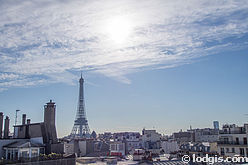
column 233, row 140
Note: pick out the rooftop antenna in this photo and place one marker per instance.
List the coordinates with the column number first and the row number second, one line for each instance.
column 81, row 68
column 16, row 115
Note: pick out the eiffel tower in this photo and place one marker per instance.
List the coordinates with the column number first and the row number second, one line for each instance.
column 81, row 128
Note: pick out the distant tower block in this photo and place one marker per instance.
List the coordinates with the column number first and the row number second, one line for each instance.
column 81, row 127
column 216, row 124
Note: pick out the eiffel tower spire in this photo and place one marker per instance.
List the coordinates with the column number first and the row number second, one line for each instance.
column 81, row 127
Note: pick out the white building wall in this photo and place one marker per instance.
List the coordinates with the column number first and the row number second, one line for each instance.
column 132, row 145
column 232, row 137
column 206, row 138
column 227, row 145
column 151, row 137
column 231, row 150
column 169, row 146
column 117, row 148
column 82, row 148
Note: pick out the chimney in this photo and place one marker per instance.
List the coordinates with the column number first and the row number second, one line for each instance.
column 28, row 121
column 49, row 121
column 6, row 128
column 24, row 119
column 1, row 124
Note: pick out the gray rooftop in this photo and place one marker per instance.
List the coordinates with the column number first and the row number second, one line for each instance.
column 23, row 144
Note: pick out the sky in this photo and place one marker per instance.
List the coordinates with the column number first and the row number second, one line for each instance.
column 160, row 64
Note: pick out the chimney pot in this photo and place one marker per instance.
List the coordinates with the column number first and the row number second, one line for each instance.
column 1, row 124
column 24, row 119
column 6, row 128
column 28, row 121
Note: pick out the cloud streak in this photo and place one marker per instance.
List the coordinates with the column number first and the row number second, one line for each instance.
column 44, row 42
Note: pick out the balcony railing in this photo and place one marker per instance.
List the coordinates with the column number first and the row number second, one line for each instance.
column 231, row 143
column 232, row 132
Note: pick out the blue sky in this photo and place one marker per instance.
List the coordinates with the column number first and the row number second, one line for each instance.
column 145, row 64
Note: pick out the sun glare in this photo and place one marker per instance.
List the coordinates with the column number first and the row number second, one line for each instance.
column 118, row 29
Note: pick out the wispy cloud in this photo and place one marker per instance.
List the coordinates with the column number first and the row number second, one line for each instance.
column 43, row 41
column 5, row 76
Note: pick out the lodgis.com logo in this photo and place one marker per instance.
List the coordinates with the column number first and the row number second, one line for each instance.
column 213, row 159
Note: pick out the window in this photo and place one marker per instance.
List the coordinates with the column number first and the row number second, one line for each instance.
column 242, row 151
column 25, row 154
column 222, row 152
column 121, row 147
column 113, row 147
column 233, row 150
column 16, row 154
column 34, row 152
column 8, row 157
column 42, row 150
column 245, row 140
column 227, row 149
column 225, row 140
column 237, row 140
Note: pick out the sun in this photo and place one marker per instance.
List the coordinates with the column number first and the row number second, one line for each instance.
column 118, row 29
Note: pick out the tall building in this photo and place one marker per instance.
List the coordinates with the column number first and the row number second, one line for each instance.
column 81, row 127
column 233, row 140
column 216, row 125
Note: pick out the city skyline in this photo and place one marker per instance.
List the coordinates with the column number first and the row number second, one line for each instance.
column 144, row 64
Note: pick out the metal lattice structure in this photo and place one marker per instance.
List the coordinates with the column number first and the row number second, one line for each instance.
column 81, row 127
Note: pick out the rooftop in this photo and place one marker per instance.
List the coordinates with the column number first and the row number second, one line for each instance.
column 23, row 144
